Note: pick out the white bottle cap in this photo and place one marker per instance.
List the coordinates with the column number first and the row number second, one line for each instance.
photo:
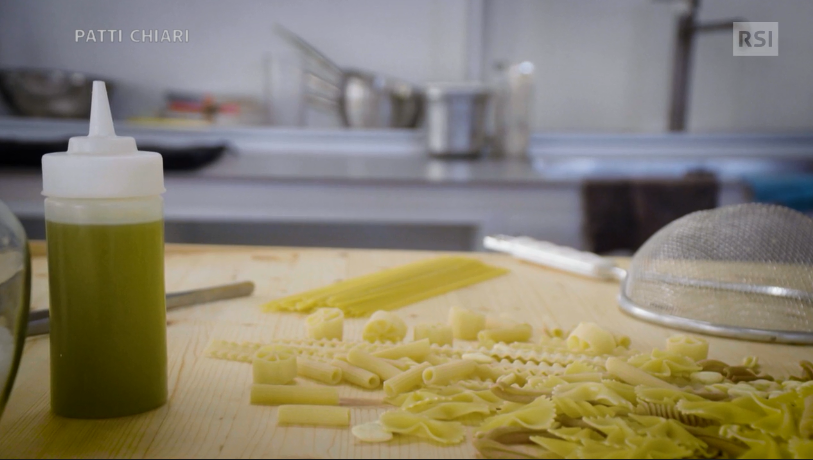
column 101, row 164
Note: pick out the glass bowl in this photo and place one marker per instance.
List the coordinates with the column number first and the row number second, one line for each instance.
column 15, row 291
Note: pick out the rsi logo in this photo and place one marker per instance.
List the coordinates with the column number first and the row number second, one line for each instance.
column 756, row 38
column 745, row 39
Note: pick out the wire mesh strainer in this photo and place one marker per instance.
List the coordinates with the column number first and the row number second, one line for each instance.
column 742, row 271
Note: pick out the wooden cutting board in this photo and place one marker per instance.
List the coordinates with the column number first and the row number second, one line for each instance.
column 209, row 415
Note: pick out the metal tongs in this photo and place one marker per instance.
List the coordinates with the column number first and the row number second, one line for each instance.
column 39, row 321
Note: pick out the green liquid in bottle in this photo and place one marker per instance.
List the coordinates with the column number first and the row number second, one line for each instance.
column 108, row 319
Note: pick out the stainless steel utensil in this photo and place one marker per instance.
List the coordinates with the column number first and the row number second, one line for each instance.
column 15, row 291
column 456, row 118
column 512, row 109
column 362, row 99
column 39, row 321
column 744, row 272
column 47, row 93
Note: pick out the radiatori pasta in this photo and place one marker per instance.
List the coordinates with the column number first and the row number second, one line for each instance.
column 274, row 365
column 325, row 323
column 584, row 397
column 384, row 326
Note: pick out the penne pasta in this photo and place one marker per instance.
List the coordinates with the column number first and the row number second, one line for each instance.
column 405, row 381
column 437, row 333
column 415, row 351
column 370, row 363
column 509, row 334
column 321, row 372
column 449, row 372
column 357, row 376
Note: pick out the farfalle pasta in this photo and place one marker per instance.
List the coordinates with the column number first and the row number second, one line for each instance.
column 407, row 423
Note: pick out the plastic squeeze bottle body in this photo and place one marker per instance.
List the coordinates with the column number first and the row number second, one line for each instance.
column 105, row 232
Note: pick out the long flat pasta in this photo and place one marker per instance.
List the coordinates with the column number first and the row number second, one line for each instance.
column 392, row 288
column 313, row 415
column 277, row 395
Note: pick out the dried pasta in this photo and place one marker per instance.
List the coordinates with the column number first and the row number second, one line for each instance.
column 370, row 363
column 634, row 376
column 692, row 347
column 278, row 395
column 407, row 423
column 392, row 288
column 357, row 376
column 416, row 351
column 313, row 415
column 590, row 338
column 509, row 334
column 325, row 323
column 466, row 324
column 321, row 372
column 436, row 333
column 274, row 365
column 371, row 432
column 538, row 415
column 384, row 326
column 449, row 372
column 405, row 381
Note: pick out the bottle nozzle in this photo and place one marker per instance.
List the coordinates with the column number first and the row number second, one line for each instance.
column 101, row 121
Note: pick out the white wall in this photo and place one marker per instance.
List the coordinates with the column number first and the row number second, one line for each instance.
column 603, row 65
column 606, row 65
column 415, row 39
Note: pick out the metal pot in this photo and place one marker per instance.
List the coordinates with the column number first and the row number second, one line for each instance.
column 47, row 93
column 456, row 118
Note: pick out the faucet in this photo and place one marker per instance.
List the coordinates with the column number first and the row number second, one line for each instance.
column 687, row 27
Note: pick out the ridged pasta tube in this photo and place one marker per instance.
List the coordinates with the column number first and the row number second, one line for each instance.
column 370, row 363
column 321, row 372
column 437, row 333
column 325, row 323
column 384, row 326
column 313, row 415
column 357, row 376
column 466, row 324
column 405, row 381
column 277, row 395
column 416, row 351
column 449, row 372
column 274, row 365
column 510, row 334
column 686, row 345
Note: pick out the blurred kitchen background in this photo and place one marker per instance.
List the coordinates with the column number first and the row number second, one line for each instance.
column 420, row 124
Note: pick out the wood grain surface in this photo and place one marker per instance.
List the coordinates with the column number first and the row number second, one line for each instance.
column 209, row 414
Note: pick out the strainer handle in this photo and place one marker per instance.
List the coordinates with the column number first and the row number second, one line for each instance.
column 555, row 256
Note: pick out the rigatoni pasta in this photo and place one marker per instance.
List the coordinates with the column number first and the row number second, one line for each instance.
column 357, row 376
column 319, row 371
column 405, row 381
column 507, row 334
column 466, row 324
column 436, row 333
column 313, row 415
column 449, row 372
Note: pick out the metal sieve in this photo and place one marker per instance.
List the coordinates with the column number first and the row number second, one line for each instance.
column 743, row 272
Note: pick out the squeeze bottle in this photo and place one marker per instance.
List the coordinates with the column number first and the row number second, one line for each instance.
column 105, row 234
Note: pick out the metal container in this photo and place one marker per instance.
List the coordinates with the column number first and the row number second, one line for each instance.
column 456, row 118
column 512, row 104
column 47, row 93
